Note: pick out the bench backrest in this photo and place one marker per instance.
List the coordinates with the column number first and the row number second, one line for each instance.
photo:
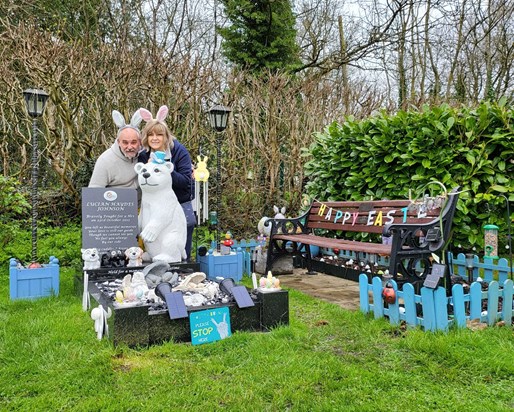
column 366, row 216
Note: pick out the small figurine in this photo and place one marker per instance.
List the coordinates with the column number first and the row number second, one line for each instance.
column 228, row 239
column 265, row 229
column 201, row 172
column 100, row 316
column 91, row 258
column 117, row 259
column 106, row 260
column 269, row 282
column 119, row 296
column 134, row 256
column 138, row 285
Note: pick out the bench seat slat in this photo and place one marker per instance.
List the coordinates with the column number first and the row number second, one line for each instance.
column 360, row 228
column 350, row 245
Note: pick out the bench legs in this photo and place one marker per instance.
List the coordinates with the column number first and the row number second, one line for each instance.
column 309, row 260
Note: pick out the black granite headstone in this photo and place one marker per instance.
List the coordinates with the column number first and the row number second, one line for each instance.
column 109, row 218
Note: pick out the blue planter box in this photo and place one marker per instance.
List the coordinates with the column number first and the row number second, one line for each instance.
column 225, row 266
column 33, row 283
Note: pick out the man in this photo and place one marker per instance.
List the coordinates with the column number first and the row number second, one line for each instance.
column 115, row 166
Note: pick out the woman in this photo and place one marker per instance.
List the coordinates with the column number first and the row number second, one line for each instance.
column 156, row 137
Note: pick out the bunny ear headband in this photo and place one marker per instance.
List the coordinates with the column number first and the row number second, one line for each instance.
column 161, row 114
column 119, row 121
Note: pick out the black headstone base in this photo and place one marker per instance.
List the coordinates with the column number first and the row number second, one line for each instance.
column 140, row 326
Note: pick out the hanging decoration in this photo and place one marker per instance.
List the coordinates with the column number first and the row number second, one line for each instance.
column 202, row 191
column 427, row 202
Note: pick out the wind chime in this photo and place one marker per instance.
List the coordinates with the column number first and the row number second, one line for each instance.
column 202, row 191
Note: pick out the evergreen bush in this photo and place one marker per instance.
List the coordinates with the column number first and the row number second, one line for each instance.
column 388, row 155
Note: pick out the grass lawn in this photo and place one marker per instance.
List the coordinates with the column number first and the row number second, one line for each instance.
column 327, row 359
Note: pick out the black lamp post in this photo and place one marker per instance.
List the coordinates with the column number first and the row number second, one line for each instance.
column 35, row 100
column 218, row 117
column 470, row 265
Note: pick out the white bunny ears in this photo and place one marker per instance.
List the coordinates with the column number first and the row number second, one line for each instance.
column 161, row 114
column 119, row 121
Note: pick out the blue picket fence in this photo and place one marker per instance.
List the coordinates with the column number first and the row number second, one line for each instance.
column 488, row 270
column 433, row 310
column 434, row 314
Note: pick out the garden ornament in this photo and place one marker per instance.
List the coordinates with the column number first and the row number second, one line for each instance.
column 135, row 256
column 263, row 227
column 100, row 316
column 162, row 222
column 201, row 175
column 91, row 258
column 389, row 295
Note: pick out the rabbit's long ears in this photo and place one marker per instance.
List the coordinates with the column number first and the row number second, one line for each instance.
column 162, row 113
column 119, row 121
column 135, row 121
column 118, row 118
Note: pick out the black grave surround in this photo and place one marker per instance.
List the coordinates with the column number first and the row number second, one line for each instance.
column 138, row 326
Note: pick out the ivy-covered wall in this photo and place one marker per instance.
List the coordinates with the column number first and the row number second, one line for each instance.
column 387, row 155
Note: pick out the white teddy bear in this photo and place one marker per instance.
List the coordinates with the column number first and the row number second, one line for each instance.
column 162, row 222
column 91, row 258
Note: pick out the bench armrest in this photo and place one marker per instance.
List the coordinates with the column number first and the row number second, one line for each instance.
column 290, row 225
column 405, row 234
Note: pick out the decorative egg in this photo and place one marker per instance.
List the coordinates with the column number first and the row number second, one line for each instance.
column 119, row 296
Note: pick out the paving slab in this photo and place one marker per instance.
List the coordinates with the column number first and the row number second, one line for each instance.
column 342, row 292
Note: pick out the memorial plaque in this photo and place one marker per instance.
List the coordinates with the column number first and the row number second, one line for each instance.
column 432, row 280
column 109, row 218
column 433, row 234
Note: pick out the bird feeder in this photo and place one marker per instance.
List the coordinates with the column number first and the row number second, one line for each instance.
column 491, row 241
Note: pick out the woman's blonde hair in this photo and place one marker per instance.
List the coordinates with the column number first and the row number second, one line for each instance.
column 159, row 128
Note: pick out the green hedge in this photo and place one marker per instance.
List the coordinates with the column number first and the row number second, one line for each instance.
column 386, row 155
column 62, row 242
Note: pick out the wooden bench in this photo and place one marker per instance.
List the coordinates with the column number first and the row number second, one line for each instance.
column 415, row 230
